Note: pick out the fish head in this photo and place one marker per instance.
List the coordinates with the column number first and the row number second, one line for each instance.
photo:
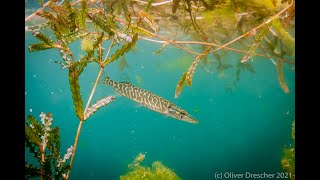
column 180, row 114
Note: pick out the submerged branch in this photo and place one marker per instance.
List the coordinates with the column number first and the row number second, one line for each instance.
column 217, row 45
column 93, row 90
column 75, row 147
column 254, row 29
column 85, row 111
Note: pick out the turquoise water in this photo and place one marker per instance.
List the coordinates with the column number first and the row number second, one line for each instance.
column 242, row 130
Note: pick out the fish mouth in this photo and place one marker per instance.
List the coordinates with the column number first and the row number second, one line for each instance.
column 190, row 119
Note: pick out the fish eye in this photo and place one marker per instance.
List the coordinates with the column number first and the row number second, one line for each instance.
column 183, row 113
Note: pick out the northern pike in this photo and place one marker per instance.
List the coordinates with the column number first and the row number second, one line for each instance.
column 150, row 100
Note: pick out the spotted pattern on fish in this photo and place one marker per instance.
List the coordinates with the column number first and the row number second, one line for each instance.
column 150, row 100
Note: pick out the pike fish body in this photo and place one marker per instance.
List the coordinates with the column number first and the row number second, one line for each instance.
column 150, row 100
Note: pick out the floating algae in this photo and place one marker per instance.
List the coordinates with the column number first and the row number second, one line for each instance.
column 158, row 171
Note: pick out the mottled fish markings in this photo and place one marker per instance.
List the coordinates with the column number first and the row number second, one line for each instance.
column 150, row 100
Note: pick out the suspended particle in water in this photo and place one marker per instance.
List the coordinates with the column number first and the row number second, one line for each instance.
column 25, row 93
column 34, row 75
column 51, row 92
column 30, row 110
column 132, row 131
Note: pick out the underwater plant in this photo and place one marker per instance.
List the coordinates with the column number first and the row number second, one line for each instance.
column 43, row 142
column 157, row 171
column 108, row 29
column 288, row 159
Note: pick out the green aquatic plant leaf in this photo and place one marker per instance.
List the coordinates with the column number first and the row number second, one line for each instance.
column 30, row 135
column 54, row 142
column 105, row 23
column 243, row 66
column 288, row 39
column 164, row 45
column 149, row 20
column 37, row 129
column 120, row 52
column 98, row 41
column 192, row 68
column 49, row 157
column 75, row 90
column 293, row 130
column 281, row 77
column 38, row 47
column 42, row 37
column 83, row 62
column 31, row 171
column 62, row 171
column 82, row 15
column 248, row 66
column 149, row 4
column 222, row 67
column 90, row 47
column 194, row 23
column 98, row 105
column 180, row 85
column 251, row 52
column 141, row 31
column 33, row 132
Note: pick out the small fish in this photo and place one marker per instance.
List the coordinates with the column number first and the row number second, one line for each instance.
column 150, row 100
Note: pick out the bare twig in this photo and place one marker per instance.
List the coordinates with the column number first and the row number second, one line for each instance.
column 217, row 45
column 75, row 147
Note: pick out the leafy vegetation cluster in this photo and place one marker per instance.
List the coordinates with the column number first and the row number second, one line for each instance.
column 252, row 28
column 44, row 143
column 157, row 171
column 288, row 159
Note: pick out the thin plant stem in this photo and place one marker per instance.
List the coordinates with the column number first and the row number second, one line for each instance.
column 154, row 4
column 93, row 89
column 80, row 123
column 85, row 111
column 254, row 29
column 227, row 48
column 75, row 147
column 108, row 51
